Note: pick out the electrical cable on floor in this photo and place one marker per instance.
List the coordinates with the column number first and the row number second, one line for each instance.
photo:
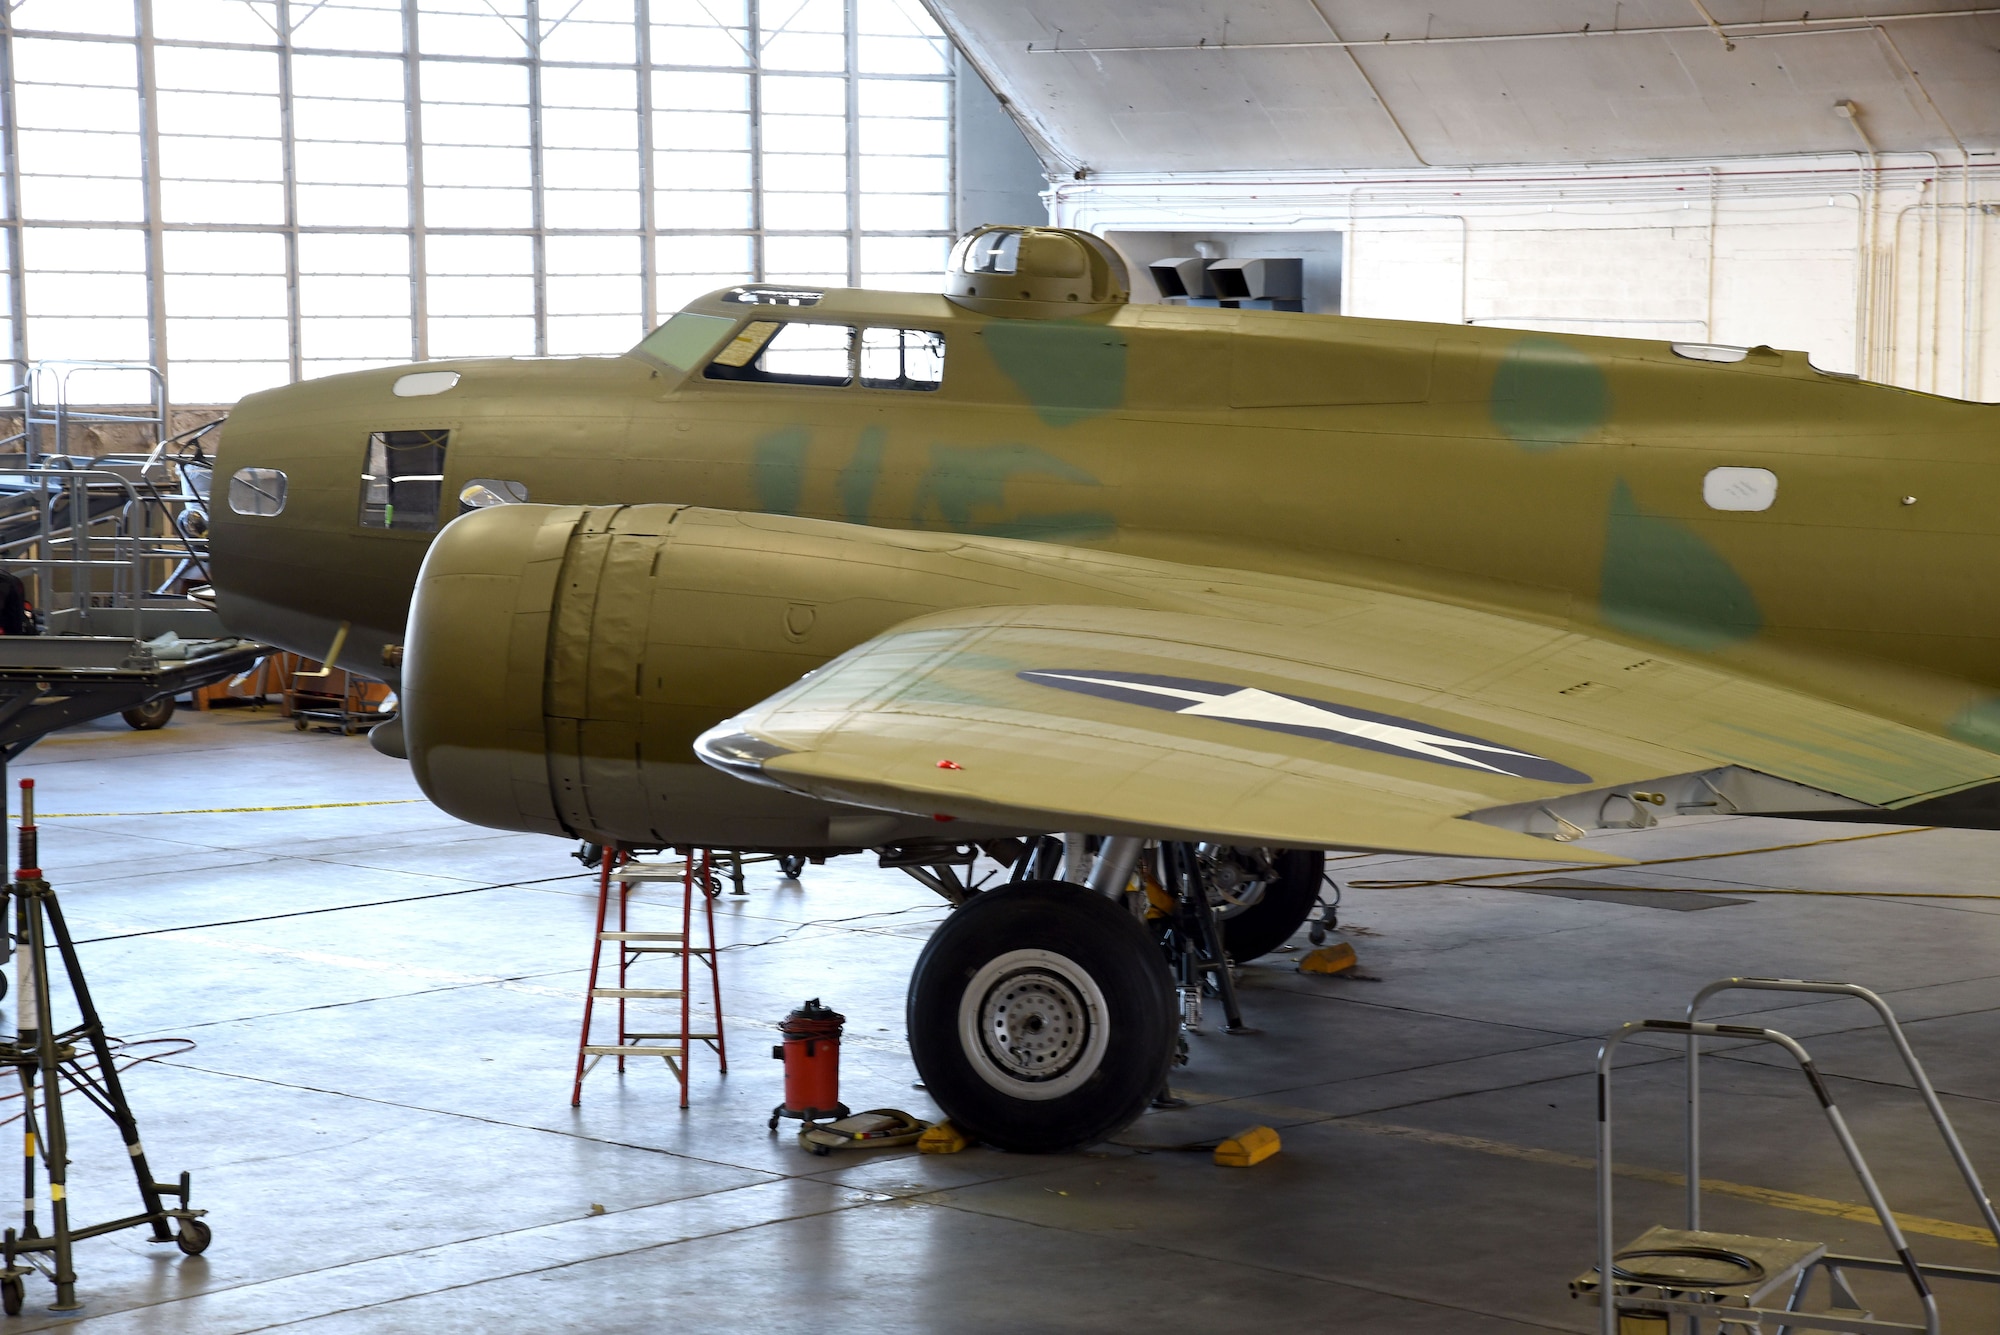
column 1571, row 869
column 87, row 1061
column 790, row 932
column 336, row 908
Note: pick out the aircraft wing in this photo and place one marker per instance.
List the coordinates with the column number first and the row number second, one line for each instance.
column 1357, row 720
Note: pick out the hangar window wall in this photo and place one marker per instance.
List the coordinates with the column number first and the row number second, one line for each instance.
column 253, row 191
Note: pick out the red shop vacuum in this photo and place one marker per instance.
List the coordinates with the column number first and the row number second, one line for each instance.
column 811, row 1054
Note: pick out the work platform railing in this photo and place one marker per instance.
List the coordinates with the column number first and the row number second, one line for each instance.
column 103, row 510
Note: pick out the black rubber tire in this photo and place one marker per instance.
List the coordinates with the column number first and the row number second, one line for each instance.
column 1096, row 937
column 13, row 1296
column 1270, row 922
column 791, row 867
column 194, row 1237
column 153, row 714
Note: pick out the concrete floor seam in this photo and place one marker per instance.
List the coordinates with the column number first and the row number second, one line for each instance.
column 1344, row 1281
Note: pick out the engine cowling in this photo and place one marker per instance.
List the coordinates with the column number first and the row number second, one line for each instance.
column 561, row 660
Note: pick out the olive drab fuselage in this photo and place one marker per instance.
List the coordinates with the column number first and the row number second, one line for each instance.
column 1567, row 479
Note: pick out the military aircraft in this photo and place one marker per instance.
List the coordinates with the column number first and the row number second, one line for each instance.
column 820, row 571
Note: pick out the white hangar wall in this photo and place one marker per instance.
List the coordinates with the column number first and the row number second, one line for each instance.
column 1863, row 265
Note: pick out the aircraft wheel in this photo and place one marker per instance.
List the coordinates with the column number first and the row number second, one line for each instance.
column 1260, row 928
column 1042, row 1017
column 153, row 714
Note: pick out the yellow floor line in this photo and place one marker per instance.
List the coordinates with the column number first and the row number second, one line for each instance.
column 221, row 811
column 1782, row 1200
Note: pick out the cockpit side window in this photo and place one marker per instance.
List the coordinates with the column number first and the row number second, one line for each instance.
column 685, row 339
column 902, row 358
column 787, row 352
column 802, row 352
column 401, row 480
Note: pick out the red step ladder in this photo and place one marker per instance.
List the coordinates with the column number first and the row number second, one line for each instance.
column 696, row 874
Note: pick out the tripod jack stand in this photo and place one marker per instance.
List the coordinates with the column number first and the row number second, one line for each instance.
column 42, row 1053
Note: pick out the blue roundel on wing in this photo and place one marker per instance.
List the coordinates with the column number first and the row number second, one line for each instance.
column 1303, row 717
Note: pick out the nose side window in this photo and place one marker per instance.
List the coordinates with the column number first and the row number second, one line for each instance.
column 257, row 491
column 402, row 479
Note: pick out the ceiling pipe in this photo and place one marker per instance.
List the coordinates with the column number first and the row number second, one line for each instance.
column 1735, row 31
column 1965, row 376
column 1714, row 27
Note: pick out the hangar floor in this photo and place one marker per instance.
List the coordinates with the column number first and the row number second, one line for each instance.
column 384, row 1001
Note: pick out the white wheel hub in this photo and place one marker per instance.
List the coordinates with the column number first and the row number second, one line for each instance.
column 1033, row 1024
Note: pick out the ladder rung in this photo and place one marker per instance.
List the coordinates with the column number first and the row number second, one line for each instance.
column 649, row 993
column 675, row 1035
column 638, row 936
column 658, row 950
column 629, row 1050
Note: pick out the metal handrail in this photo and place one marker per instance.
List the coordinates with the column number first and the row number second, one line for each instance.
column 1903, row 1050
column 1607, row 1282
column 130, row 482
column 57, row 373
column 73, row 546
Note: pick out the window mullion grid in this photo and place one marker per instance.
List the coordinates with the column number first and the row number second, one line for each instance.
column 288, row 162
column 649, row 231
column 540, row 247
column 755, row 38
column 956, row 225
column 413, row 143
column 149, row 149
column 10, row 166
column 852, row 19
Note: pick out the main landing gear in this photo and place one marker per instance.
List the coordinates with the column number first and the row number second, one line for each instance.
column 1042, row 1016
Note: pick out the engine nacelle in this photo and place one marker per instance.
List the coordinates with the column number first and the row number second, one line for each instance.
column 561, row 660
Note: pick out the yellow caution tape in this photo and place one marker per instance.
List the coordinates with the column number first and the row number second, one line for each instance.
column 224, row 811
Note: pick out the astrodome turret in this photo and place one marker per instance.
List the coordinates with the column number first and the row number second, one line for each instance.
column 1030, row 272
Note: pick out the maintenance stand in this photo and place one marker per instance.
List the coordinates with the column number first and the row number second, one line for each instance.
column 43, row 1053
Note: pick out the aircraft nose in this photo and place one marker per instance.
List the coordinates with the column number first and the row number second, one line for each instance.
column 290, row 562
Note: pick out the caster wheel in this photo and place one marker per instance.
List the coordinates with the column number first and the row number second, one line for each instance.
column 792, row 867
column 193, row 1237
column 153, row 714
column 13, row 1296
column 299, row 723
